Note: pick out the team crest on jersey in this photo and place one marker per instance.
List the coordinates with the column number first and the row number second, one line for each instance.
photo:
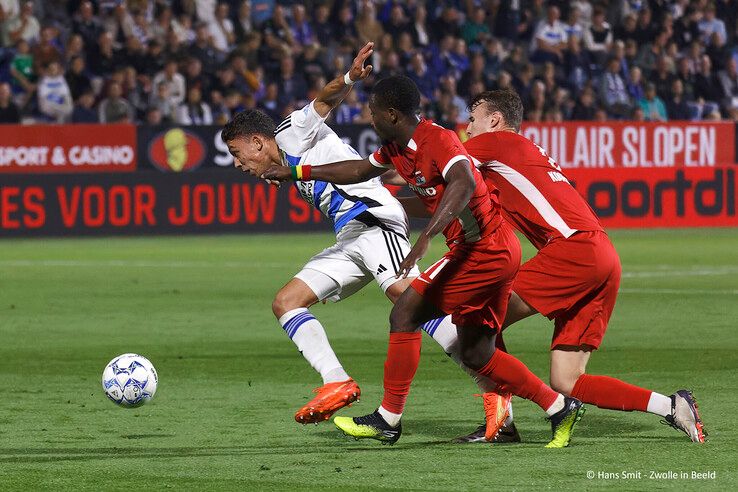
column 419, row 178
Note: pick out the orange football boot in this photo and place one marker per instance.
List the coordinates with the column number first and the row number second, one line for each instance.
column 495, row 412
column 330, row 398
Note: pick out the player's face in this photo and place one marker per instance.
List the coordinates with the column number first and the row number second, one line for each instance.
column 250, row 155
column 381, row 121
column 482, row 121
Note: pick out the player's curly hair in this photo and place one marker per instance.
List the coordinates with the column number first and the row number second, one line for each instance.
column 398, row 92
column 247, row 123
column 506, row 102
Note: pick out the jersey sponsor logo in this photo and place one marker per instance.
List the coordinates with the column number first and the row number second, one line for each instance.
column 176, row 150
column 419, row 178
column 557, row 177
column 306, row 191
column 431, row 191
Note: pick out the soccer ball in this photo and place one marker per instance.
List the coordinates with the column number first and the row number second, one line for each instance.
column 129, row 380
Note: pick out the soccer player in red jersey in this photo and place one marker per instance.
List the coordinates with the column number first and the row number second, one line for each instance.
column 575, row 276
column 471, row 282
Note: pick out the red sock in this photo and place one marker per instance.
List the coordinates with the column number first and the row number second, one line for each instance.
column 611, row 393
column 510, row 373
column 403, row 356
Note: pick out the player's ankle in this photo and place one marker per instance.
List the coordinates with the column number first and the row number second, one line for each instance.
column 393, row 419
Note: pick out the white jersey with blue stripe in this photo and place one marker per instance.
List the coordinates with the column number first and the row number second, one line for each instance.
column 305, row 138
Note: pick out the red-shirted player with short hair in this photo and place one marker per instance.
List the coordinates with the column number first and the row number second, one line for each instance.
column 471, row 282
column 575, row 276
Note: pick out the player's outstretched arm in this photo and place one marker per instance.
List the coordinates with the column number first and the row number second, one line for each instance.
column 337, row 89
column 343, row 172
column 456, row 196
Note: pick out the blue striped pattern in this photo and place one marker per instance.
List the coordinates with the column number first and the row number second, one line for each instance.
column 295, row 323
column 318, row 189
column 292, row 160
column 431, row 326
column 348, row 215
column 335, row 205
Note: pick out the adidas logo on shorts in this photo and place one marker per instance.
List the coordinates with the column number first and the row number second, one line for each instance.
column 381, row 269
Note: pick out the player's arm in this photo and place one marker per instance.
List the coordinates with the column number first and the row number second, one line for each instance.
column 337, row 89
column 459, row 190
column 342, row 172
column 413, row 206
column 393, row 178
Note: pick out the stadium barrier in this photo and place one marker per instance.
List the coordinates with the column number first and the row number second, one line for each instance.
column 123, row 179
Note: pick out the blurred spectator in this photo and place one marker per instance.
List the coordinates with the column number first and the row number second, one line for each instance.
column 8, row 110
column 350, row 110
column 549, row 39
column 292, row 85
column 613, row 91
column 585, row 107
column 243, row 25
column 420, row 29
column 84, row 109
column 729, row 82
column 21, row 69
column 114, row 108
column 194, row 111
column 475, row 30
column 368, row 28
column 54, row 98
column 174, row 80
column 652, row 105
column 162, row 100
column 677, row 107
column 418, row 73
column 710, row 25
column 598, row 37
column 77, row 79
column 24, row 26
column 302, row 33
column 634, row 86
column 707, row 87
column 322, row 26
column 86, row 24
column 221, row 29
column 573, row 26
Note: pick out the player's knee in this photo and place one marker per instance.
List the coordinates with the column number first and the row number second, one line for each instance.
column 563, row 383
column 472, row 357
column 285, row 301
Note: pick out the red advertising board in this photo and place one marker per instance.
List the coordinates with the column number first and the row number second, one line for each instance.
column 590, row 145
column 46, row 149
column 666, row 197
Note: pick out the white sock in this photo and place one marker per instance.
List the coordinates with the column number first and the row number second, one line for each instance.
column 659, row 404
column 311, row 340
column 556, row 406
column 393, row 419
column 443, row 331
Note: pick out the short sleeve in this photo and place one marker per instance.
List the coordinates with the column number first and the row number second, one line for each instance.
column 296, row 134
column 380, row 158
column 481, row 148
column 446, row 150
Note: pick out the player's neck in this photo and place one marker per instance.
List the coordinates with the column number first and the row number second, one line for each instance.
column 406, row 132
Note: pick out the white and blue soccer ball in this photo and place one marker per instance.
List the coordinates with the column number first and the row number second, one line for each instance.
column 130, row 380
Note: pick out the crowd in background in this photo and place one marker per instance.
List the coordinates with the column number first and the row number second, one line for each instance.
column 201, row 61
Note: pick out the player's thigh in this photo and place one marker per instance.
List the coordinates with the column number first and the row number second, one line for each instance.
column 295, row 294
column 333, row 274
column 566, row 367
column 380, row 252
column 395, row 290
column 517, row 309
column 412, row 310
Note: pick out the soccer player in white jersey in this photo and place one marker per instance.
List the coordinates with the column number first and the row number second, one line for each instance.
column 370, row 225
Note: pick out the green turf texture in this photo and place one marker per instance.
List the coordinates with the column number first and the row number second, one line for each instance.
column 230, row 379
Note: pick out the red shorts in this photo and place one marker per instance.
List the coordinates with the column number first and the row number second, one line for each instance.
column 575, row 282
column 472, row 282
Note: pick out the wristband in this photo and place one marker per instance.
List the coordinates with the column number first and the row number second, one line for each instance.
column 347, row 80
column 300, row 173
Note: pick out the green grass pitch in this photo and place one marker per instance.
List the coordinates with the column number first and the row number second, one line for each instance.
column 230, row 379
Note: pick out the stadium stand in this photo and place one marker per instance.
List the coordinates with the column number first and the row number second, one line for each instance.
column 201, row 61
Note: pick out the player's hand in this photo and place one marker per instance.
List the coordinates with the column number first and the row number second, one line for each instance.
column 358, row 71
column 419, row 249
column 277, row 174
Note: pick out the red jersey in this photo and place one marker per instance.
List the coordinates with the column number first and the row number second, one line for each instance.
column 535, row 195
column 429, row 155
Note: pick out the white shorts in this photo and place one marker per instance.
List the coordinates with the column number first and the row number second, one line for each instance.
column 358, row 258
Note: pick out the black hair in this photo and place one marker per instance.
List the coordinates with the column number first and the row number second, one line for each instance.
column 506, row 102
column 247, row 123
column 398, row 92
